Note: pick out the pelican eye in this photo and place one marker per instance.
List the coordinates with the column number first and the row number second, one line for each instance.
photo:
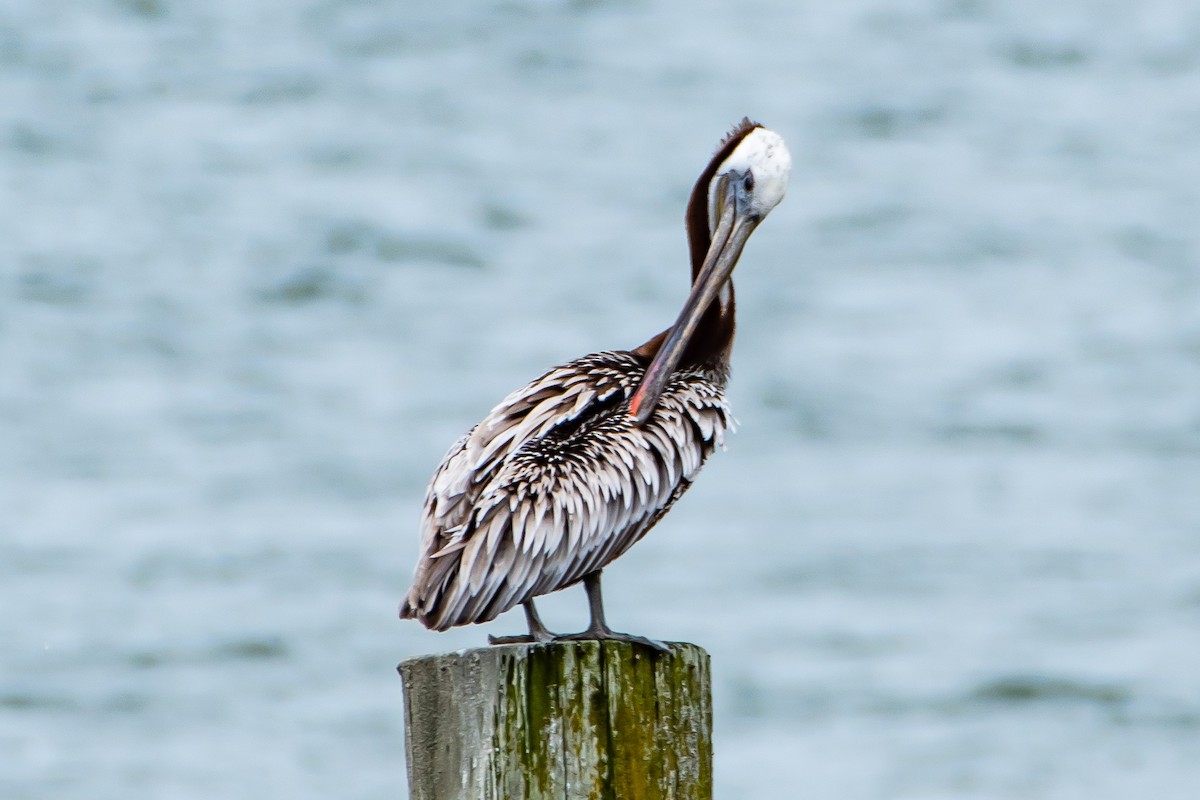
column 748, row 182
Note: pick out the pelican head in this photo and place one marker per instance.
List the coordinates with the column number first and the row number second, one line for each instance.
column 754, row 177
column 749, row 176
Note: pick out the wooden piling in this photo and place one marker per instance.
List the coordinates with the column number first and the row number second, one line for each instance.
column 598, row 720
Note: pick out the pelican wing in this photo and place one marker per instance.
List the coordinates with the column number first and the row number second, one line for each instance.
column 555, row 483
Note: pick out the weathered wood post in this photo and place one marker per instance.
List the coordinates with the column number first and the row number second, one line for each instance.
column 599, row 720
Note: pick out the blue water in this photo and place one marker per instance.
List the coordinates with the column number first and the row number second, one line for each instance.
column 262, row 262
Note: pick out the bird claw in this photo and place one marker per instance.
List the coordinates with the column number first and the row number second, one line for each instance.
column 582, row 636
column 523, row 638
column 613, row 636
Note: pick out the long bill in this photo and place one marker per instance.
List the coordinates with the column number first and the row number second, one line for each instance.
column 724, row 250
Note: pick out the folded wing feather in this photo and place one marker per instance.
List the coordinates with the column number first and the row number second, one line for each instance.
column 555, row 483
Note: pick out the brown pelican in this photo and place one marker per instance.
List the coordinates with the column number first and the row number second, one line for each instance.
column 567, row 473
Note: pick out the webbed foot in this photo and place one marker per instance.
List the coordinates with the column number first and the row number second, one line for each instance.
column 605, row 634
column 538, row 634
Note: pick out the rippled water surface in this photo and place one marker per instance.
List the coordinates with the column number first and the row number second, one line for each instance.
column 262, row 262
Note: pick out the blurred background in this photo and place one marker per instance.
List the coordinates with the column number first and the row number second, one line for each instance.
column 263, row 262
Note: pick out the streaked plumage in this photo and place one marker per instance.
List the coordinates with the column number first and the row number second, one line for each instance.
column 558, row 481
column 568, row 472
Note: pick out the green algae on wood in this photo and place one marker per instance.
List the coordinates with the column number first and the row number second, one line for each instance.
column 567, row 720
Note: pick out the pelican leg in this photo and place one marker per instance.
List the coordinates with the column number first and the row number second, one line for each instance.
column 537, row 630
column 598, row 629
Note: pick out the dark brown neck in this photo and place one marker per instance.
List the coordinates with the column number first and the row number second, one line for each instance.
column 713, row 338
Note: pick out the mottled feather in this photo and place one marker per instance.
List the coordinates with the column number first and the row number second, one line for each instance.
column 557, row 482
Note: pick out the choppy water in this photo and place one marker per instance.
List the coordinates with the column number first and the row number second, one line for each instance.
column 262, row 262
